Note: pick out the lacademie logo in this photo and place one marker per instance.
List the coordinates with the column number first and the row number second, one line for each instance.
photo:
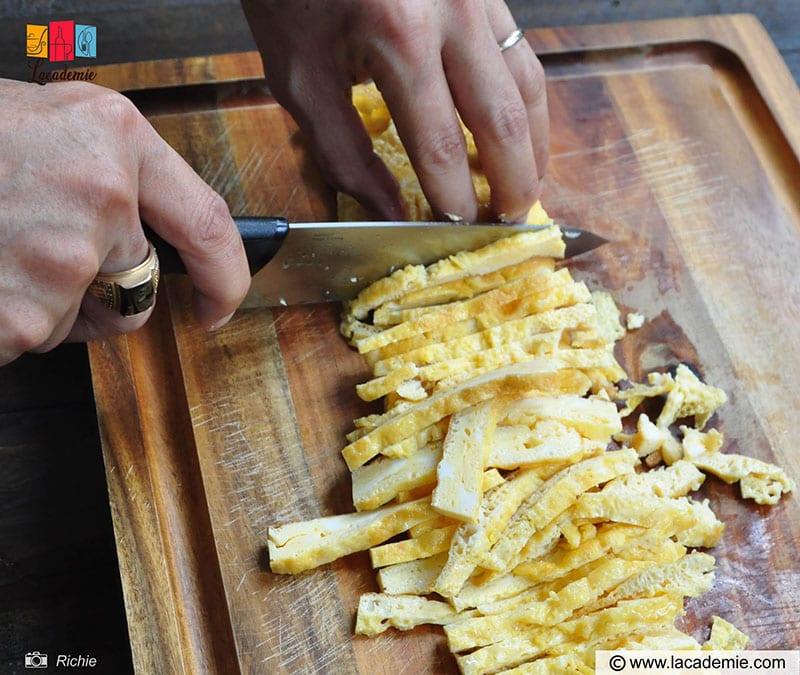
column 56, row 42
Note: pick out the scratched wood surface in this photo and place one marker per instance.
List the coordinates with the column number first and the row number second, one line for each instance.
column 676, row 140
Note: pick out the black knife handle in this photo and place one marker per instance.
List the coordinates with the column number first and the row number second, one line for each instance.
column 262, row 237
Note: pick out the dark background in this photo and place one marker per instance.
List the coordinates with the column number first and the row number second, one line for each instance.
column 135, row 30
column 59, row 584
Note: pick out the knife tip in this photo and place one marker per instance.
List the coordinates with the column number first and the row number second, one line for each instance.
column 580, row 241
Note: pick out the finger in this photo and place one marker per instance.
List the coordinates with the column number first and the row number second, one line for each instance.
column 58, row 273
column 124, row 244
column 45, row 320
column 92, row 319
column 60, row 332
column 528, row 73
column 410, row 74
column 188, row 214
column 305, row 79
column 491, row 105
column 96, row 322
column 26, row 325
column 434, row 141
column 342, row 146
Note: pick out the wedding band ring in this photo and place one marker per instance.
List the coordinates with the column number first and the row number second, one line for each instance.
column 132, row 291
column 511, row 40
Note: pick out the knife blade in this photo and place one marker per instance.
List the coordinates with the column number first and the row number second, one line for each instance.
column 328, row 262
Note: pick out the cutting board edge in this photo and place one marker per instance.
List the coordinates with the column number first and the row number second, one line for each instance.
column 160, row 537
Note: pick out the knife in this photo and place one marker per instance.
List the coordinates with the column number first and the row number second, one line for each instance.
column 327, row 262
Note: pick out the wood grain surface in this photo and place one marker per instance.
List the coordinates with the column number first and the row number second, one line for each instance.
column 675, row 140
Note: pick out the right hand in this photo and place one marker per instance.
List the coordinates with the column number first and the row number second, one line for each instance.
column 80, row 168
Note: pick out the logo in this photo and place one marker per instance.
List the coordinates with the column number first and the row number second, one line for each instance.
column 37, row 41
column 59, row 42
column 62, row 40
column 35, row 660
column 85, row 41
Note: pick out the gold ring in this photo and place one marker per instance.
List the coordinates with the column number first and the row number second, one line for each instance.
column 511, row 40
column 132, row 291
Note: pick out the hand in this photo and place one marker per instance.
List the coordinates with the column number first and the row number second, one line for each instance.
column 79, row 169
column 431, row 59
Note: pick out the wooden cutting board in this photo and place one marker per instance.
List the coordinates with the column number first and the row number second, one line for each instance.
column 676, row 140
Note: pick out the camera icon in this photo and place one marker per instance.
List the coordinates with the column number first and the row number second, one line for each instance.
column 35, row 660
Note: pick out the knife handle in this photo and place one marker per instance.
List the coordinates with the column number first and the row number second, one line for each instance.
column 261, row 236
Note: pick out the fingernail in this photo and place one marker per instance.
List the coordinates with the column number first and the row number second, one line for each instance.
column 219, row 324
column 512, row 220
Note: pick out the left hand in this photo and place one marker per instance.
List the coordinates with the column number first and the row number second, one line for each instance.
column 433, row 61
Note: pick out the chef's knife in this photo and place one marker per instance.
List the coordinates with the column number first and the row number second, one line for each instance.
column 324, row 262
